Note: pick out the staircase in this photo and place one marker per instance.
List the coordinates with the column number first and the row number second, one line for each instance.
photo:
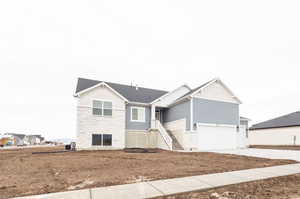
column 168, row 140
column 175, row 143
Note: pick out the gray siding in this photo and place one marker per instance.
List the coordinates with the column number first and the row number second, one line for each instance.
column 179, row 111
column 244, row 122
column 138, row 125
column 215, row 112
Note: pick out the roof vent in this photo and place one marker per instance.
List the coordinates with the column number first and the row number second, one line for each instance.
column 136, row 87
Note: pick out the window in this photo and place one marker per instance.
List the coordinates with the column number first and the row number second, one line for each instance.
column 107, row 139
column 102, row 139
column 102, row 108
column 96, row 139
column 138, row 114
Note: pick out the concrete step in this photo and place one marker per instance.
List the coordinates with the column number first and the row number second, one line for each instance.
column 176, row 144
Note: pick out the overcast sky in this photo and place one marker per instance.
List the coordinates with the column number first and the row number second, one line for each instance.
column 253, row 46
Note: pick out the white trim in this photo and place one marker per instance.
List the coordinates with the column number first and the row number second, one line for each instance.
column 244, row 119
column 137, row 107
column 216, row 125
column 97, row 85
column 192, row 115
column 218, row 81
column 158, row 99
column 101, row 145
column 139, row 103
column 102, row 100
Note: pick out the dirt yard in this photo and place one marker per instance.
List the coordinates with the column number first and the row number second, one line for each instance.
column 287, row 187
column 279, row 147
column 23, row 173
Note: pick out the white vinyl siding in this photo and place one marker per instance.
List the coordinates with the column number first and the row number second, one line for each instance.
column 88, row 124
column 137, row 114
column 102, row 108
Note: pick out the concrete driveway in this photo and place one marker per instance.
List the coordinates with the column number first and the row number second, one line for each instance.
column 264, row 153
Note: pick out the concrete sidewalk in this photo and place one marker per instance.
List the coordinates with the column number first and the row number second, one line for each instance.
column 264, row 153
column 172, row 186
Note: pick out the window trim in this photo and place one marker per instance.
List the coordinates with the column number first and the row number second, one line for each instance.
column 102, row 100
column 102, row 140
column 139, row 108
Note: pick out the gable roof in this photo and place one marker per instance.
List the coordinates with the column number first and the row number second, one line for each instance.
column 290, row 120
column 21, row 136
column 244, row 118
column 196, row 90
column 169, row 93
column 142, row 95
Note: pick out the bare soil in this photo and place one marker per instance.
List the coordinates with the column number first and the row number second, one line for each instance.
column 287, row 187
column 277, row 147
column 23, row 173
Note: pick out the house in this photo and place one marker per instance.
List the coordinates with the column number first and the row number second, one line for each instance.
column 34, row 139
column 116, row 116
column 6, row 140
column 18, row 139
column 284, row 130
column 22, row 139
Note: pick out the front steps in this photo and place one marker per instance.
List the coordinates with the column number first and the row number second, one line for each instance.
column 175, row 143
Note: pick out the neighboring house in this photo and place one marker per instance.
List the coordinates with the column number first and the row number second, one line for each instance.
column 34, row 139
column 22, row 139
column 19, row 139
column 284, row 130
column 116, row 116
column 6, row 140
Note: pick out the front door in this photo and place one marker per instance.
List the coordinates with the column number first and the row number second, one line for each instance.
column 158, row 115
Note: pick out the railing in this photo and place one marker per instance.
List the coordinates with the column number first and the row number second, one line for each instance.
column 164, row 134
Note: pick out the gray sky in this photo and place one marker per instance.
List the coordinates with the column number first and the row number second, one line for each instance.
column 253, row 46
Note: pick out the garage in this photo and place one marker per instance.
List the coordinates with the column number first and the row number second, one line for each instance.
column 284, row 130
column 218, row 137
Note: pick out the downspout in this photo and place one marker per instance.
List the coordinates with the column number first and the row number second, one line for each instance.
column 192, row 115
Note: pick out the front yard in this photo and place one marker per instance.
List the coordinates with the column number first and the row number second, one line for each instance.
column 23, row 173
column 287, row 187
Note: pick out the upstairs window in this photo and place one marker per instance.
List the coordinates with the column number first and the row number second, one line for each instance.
column 138, row 114
column 102, row 108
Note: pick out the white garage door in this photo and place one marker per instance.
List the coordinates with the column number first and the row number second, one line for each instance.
column 214, row 137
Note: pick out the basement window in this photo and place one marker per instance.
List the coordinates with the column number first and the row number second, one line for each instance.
column 96, row 139
column 107, row 139
column 102, row 108
column 102, row 139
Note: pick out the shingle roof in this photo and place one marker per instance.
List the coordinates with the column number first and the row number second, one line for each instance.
column 244, row 118
column 21, row 136
column 292, row 119
column 142, row 95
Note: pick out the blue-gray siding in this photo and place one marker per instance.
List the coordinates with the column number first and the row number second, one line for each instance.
column 215, row 112
column 179, row 111
column 138, row 125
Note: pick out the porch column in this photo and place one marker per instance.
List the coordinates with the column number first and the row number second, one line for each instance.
column 153, row 126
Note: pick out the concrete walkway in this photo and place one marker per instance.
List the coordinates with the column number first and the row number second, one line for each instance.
column 264, row 153
column 172, row 186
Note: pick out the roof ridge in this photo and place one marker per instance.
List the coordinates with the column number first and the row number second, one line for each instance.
column 277, row 117
column 122, row 84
